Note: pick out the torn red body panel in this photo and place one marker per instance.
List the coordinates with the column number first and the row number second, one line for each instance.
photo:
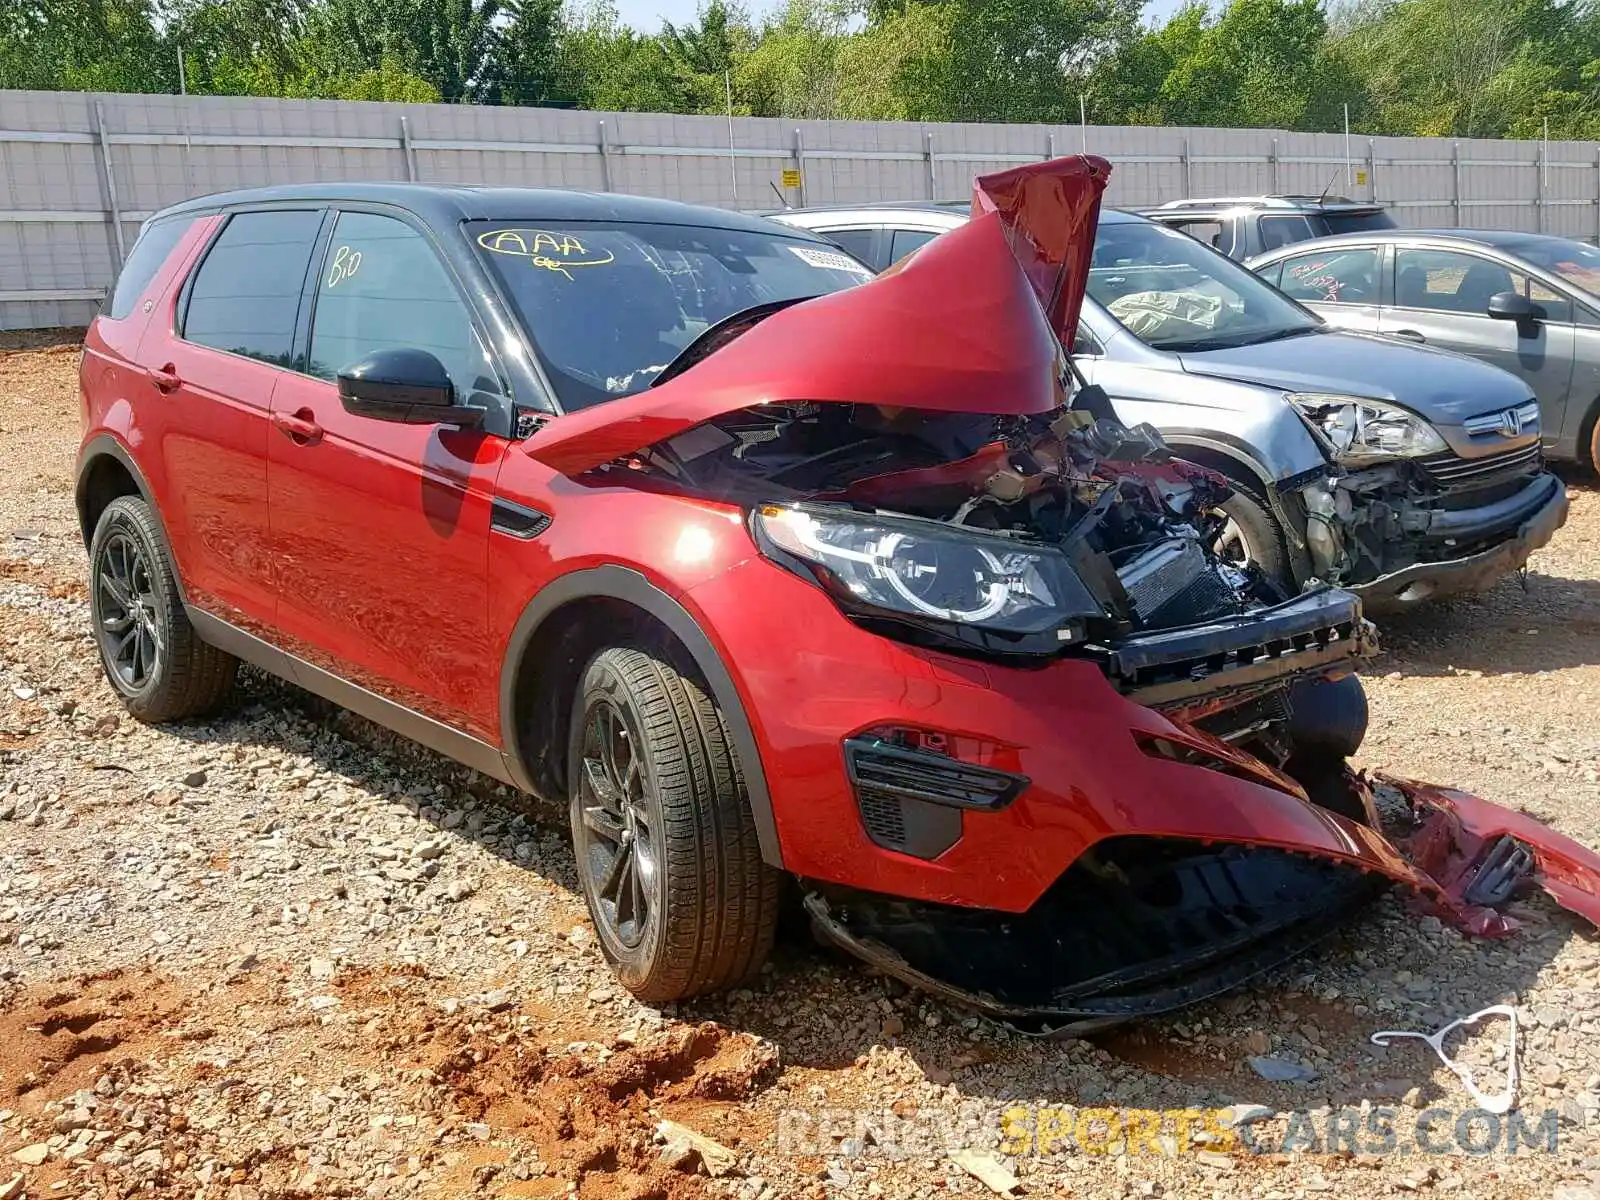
column 987, row 345
column 1457, row 836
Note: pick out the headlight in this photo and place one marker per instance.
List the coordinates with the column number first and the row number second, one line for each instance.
column 929, row 571
column 1362, row 429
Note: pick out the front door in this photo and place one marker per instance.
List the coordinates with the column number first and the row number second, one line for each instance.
column 381, row 530
column 1441, row 298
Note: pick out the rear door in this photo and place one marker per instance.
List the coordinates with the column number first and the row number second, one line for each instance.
column 381, row 529
column 1441, row 298
column 1342, row 284
column 211, row 376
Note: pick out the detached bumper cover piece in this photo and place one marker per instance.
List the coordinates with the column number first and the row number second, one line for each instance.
column 1142, row 925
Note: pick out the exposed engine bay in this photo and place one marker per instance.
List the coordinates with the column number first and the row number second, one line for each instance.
column 950, row 507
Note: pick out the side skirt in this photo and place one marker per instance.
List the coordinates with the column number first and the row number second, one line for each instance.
column 435, row 735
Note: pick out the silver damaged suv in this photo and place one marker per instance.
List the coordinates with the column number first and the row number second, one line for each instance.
column 1398, row 471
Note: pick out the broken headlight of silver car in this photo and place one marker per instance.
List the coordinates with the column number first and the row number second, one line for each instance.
column 1362, row 430
column 930, row 573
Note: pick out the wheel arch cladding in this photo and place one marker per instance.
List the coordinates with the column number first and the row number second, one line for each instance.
column 106, row 471
column 562, row 627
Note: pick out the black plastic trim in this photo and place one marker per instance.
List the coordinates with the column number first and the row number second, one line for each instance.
column 620, row 583
column 106, row 445
column 424, row 730
column 515, row 520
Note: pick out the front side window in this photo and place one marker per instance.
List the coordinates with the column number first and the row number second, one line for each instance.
column 1175, row 294
column 246, row 296
column 1332, row 277
column 609, row 305
column 1576, row 262
column 383, row 287
column 1452, row 282
column 155, row 244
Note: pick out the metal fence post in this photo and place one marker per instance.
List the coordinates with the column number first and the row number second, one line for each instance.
column 1372, row 170
column 406, row 150
column 1455, row 172
column 1597, row 195
column 110, row 177
column 605, row 159
column 933, row 177
column 1187, row 164
column 1049, row 146
column 800, row 163
column 1272, row 161
column 1538, row 189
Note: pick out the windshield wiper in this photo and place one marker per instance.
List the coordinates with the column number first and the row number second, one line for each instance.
column 714, row 337
column 1217, row 343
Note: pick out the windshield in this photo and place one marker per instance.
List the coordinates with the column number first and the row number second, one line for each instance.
column 1175, row 294
column 1353, row 222
column 610, row 305
column 1576, row 262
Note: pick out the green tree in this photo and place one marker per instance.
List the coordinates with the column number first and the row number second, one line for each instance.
column 84, row 45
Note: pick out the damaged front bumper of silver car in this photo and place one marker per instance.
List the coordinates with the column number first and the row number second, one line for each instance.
column 1398, row 534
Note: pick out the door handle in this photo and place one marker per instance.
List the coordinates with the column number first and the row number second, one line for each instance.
column 1410, row 335
column 300, row 427
column 165, row 378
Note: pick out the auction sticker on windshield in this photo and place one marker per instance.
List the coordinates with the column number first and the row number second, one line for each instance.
column 829, row 260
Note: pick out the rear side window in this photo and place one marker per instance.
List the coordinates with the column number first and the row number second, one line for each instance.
column 907, row 241
column 157, row 241
column 1213, row 232
column 855, row 242
column 1281, row 231
column 246, row 295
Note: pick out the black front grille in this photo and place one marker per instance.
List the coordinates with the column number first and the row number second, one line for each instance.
column 1450, row 470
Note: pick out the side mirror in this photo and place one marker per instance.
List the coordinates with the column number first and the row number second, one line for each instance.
column 404, row 385
column 1513, row 306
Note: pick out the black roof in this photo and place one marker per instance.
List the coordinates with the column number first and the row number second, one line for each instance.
column 447, row 204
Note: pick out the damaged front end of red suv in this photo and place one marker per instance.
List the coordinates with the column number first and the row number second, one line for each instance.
column 1137, row 795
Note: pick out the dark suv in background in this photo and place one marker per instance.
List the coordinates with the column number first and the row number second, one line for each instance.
column 1244, row 226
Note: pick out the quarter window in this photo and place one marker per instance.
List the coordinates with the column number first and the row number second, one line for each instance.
column 1332, row 277
column 155, row 244
column 1214, row 233
column 383, row 287
column 246, row 295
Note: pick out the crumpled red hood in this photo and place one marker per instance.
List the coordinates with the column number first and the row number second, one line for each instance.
column 969, row 323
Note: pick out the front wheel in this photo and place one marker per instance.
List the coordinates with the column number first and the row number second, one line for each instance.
column 1253, row 537
column 666, row 844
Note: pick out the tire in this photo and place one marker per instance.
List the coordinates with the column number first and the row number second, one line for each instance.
column 1327, row 718
column 151, row 654
column 1254, row 535
column 705, row 910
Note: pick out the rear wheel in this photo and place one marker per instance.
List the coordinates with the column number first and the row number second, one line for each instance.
column 666, row 844
column 150, row 652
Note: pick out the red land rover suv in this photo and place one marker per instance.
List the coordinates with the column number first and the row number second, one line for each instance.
column 770, row 570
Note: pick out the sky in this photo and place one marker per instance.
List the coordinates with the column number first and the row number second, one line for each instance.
column 647, row 15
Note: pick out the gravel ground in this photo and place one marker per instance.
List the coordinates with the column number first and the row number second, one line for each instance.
column 286, row 954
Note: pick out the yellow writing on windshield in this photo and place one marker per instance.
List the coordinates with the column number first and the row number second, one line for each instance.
column 558, row 252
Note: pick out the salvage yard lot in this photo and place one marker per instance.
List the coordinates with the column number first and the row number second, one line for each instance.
column 283, row 953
